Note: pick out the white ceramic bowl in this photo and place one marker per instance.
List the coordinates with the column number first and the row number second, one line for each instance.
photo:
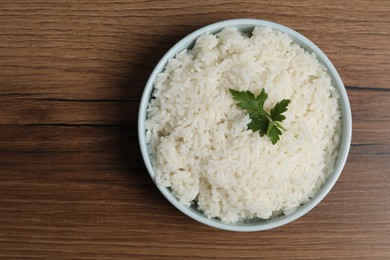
column 246, row 25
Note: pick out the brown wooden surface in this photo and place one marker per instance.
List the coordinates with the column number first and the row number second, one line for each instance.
column 72, row 182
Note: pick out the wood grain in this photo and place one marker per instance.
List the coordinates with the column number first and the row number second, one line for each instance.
column 72, row 182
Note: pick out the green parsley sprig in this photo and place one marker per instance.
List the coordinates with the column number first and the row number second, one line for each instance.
column 267, row 123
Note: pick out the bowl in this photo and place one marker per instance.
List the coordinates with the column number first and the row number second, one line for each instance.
column 246, row 25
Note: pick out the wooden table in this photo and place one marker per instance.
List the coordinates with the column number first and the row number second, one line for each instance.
column 72, row 181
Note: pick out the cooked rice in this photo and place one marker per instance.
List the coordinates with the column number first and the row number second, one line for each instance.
column 198, row 138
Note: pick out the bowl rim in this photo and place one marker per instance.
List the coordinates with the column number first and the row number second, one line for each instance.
column 345, row 137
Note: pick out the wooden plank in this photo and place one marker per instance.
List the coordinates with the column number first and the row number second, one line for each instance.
column 101, row 50
column 367, row 105
column 98, row 203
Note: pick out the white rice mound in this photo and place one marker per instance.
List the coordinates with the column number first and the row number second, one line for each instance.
column 198, row 139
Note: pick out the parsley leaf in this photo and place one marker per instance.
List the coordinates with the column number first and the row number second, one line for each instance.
column 259, row 124
column 279, row 108
column 273, row 132
column 247, row 101
column 266, row 123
